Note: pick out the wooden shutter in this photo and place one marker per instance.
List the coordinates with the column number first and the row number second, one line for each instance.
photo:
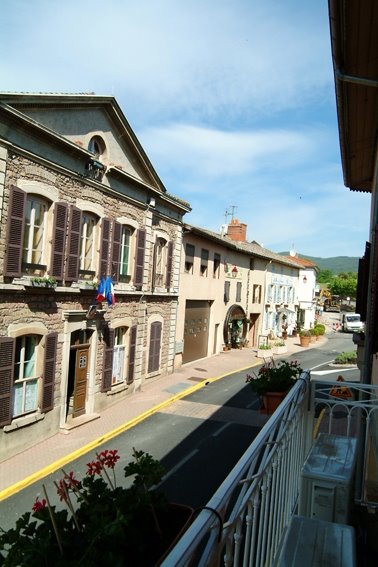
column 132, row 352
column 107, row 369
column 169, row 265
column 238, row 291
column 153, row 274
column 104, row 248
column 139, row 257
column 72, row 266
column 51, row 342
column 363, row 283
column 116, row 251
column 15, row 232
column 7, row 351
column 155, row 343
column 226, row 292
column 59, row 240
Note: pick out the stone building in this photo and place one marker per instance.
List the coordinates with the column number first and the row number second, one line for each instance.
column 80, row 202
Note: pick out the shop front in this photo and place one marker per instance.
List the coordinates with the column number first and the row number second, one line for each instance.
column 235, row 327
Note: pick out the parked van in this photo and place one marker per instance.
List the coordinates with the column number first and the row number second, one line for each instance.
column 351, row 323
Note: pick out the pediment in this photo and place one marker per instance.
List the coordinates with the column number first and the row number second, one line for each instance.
column 81, row 119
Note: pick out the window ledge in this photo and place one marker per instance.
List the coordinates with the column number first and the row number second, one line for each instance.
column 23, row 421
column 117, row 389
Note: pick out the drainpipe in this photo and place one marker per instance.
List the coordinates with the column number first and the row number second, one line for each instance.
column 344, row 77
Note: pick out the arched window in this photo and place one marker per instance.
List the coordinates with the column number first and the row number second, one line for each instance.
column 97, row 147
column 125, row 254
column 35, row 224
column 25, row 392
column 119, row 356
column 87, row 242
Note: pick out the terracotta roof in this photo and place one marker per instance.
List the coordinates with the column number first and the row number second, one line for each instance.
column 303, row 262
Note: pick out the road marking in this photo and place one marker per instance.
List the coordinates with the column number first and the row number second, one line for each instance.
column 221, row 429
column 178, row 466
column 322, row 364
column 335, row 371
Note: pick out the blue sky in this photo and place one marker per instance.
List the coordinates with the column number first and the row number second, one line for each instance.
column 233, row 102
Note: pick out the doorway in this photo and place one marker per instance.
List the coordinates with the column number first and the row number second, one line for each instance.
column 78, row 373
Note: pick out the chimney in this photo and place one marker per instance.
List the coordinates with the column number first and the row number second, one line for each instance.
column 237, row 231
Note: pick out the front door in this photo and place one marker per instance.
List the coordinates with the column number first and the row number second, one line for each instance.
column 81, row 376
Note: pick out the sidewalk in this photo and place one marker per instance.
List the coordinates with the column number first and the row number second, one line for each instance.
column 48, row 456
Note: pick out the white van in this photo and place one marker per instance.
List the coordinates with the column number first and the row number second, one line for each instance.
column 351, row 323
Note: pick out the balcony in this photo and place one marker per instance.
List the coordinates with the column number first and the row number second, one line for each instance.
column 245, row 522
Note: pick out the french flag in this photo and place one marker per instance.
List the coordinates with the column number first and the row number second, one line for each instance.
column 105, row 291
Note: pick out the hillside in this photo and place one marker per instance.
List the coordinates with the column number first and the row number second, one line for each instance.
column 336, row 264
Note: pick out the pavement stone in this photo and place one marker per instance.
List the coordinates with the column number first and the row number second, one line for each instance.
column 158, row 394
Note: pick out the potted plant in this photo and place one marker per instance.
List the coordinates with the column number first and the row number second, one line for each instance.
column 43, row 281
column 305, row 337
column 264, row 350
column 273, row 381
column 279, row 347
column 312, row 335
column 101, row 523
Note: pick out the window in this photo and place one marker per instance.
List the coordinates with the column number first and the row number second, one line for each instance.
column 118, row 374
column 35, row 222
column 216, row 266
column 125, row 254
column 238, row 291
column 87, row 242
column 160, row 262
column 256, row 297
column 163, row 263
column 189, row 258
column 97, row 147
column 25, row 398
column 227, row 291
column 27, row 381
column 204, row 262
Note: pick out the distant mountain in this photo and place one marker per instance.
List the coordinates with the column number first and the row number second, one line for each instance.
column 336, row 264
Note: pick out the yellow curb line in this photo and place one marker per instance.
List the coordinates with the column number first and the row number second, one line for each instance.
column 49, row 469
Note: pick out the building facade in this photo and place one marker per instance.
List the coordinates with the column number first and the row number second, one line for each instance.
column 80, row 204
column 232, row 292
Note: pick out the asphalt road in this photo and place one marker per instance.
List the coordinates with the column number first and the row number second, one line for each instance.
column 198, row 439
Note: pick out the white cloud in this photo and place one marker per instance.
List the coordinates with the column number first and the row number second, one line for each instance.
column 212, row 153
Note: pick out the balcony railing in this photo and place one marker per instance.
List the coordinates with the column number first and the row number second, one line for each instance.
column 244, row 522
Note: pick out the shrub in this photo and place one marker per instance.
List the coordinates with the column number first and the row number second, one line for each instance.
column 265, row 347
column 346, row 358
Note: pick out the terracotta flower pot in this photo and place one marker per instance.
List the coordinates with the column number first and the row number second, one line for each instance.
column 271, row 401
column 305, row 341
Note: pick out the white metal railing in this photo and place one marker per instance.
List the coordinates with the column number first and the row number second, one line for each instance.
column 244, row 521
column 350, row 409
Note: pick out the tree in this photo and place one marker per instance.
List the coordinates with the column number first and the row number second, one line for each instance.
column 324, row 276
column 344, row 287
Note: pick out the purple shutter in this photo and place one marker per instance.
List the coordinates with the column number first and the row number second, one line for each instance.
column 155, row 343
column 74, row 230
column 153, row 275
column 169, row 265
column 15, row 232
column 104, row 248
column 132, row 352
column 51, row 342
column 7, row 351
column 107, row 369
column 116, row 251
column 59, row 240
column 139, row 257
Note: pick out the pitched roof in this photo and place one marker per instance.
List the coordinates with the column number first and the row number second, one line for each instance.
column 250, row 248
